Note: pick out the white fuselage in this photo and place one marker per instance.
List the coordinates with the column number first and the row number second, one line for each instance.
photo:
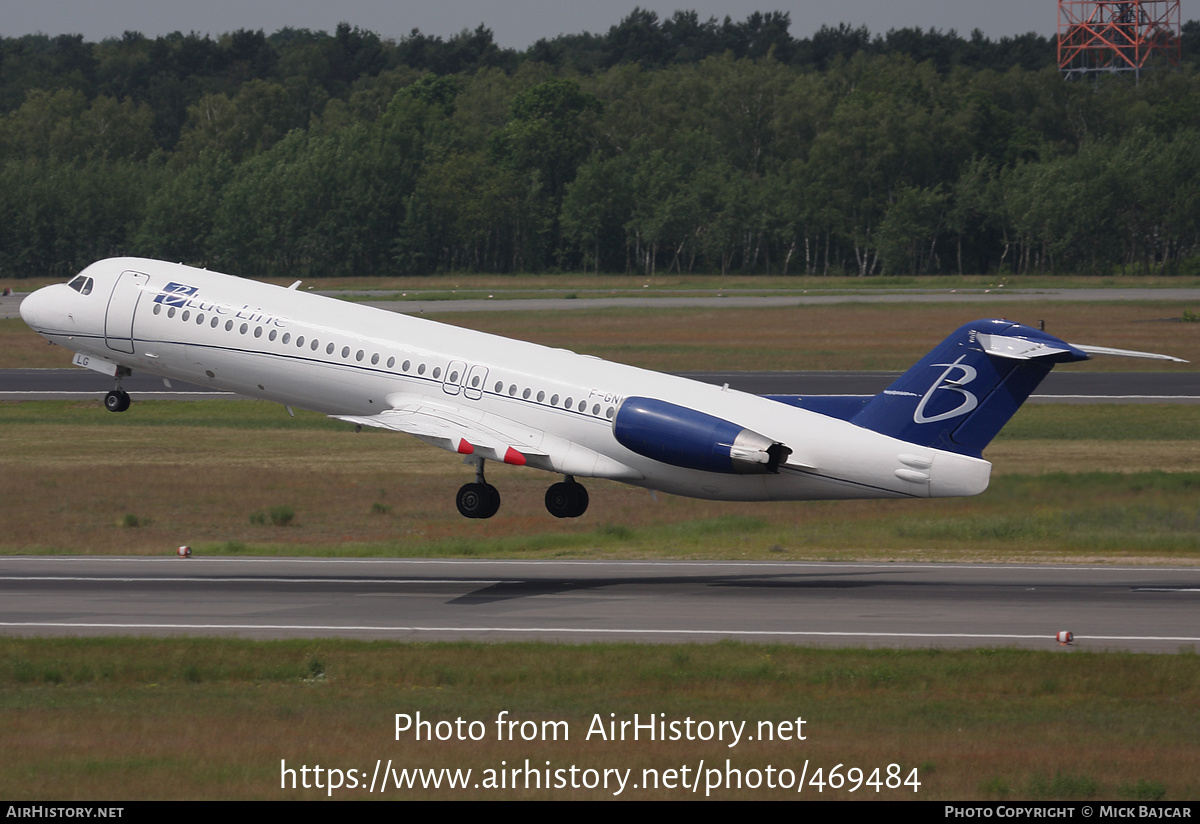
column 346, row 359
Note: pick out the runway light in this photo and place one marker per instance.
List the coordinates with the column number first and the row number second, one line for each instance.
column 185, row 551
column 1065, row 638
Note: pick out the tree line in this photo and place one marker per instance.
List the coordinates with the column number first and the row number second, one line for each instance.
column 674, row 145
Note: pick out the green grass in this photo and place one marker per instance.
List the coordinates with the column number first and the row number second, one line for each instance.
column 1103, row 422
column 212, row 718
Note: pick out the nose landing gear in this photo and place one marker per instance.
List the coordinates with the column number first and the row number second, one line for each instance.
column 117, row 400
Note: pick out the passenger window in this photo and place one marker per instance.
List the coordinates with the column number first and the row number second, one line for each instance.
column 345, row 351
column 258, row 331
column 391, row 362
column 329, row 349
column 200, row 319
column 437, row 371
column 242, row 329
column 315, row 344
column 287, row 337
column 186, row 314
column 228, row 325
column 300, row 340
column 215, row 321
column 157, row 306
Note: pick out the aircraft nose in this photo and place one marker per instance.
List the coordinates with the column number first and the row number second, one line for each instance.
column 37, row 309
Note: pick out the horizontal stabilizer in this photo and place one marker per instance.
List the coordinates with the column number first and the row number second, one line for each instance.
column 1124, row 353
column 1007, row 346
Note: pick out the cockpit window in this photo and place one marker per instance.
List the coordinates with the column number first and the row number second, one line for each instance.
column 82, row 285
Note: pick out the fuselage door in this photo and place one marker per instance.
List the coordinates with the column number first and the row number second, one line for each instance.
column 456, row 373
column 122, row 304
column 473, row 384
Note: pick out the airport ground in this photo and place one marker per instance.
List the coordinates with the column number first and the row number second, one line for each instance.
column 122, row 718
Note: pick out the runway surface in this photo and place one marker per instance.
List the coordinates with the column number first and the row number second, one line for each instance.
column 1058, row 387
column 893, row 605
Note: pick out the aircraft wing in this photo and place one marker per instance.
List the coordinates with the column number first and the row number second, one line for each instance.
column 455, row 429
column 493, row 437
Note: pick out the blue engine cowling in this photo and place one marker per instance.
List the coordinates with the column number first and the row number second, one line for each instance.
column 681, row 436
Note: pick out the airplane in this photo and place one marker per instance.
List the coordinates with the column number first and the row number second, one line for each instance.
column 491, row 398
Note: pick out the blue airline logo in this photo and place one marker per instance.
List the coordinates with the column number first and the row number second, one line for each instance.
column 175, row 294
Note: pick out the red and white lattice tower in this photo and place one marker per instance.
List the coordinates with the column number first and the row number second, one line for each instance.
column 1117, row 35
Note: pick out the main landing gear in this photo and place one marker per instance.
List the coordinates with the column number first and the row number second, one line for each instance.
column 567, row 500
column 117, row 400
column 480, row 499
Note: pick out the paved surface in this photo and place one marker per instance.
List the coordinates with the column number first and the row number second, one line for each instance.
column 900, row 605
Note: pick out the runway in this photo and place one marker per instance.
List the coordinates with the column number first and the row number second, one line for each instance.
column 1058, row 387
column 829, row 604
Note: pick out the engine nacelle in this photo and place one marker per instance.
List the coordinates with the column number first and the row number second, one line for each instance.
column 684, row 437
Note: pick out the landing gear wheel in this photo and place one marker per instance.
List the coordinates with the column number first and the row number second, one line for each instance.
column 493, row 499
column 567, row 500
column 116, row 401
column 478, row 500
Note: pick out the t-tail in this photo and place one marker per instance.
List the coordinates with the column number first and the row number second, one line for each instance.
column 962, row 393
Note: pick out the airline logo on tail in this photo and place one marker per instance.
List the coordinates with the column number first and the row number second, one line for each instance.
column 969, row 401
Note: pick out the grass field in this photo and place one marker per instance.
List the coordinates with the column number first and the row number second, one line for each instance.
column 1070, row 482
column 204, row 718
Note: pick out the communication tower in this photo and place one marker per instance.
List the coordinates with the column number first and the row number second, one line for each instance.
column 1096, row 36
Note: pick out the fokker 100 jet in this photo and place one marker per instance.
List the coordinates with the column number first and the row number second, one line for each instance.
column 491, row 398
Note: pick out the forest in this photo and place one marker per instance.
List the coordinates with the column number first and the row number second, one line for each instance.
column 673, row 145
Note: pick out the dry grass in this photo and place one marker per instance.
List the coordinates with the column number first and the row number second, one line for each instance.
column 150, row 485
column 203, row 718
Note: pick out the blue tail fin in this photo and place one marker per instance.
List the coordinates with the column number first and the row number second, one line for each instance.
column 962, row 393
